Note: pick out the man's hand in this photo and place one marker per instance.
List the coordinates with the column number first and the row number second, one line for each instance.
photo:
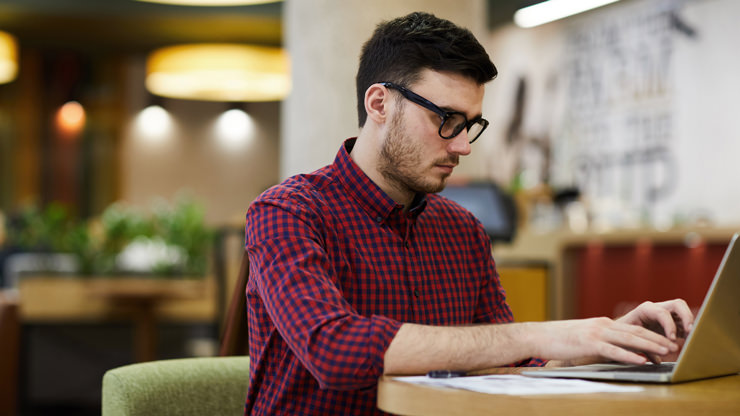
column 651, row 330
column 585, row 341
column 673, row 319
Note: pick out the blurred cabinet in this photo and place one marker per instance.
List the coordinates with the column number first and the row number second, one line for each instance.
column 526, row 286
column 609, row 275
column 605, row 273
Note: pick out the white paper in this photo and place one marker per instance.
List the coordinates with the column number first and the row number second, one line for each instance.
column 520, row 385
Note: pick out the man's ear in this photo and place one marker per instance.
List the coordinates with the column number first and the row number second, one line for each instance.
column 377, row 102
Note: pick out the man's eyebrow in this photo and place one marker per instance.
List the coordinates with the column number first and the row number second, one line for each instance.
column 448, row 109
column 452, row 110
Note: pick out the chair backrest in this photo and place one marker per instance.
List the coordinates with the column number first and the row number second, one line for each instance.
column 188, row 386
column 235, row 336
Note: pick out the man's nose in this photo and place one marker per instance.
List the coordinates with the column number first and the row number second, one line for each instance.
column 459, row 144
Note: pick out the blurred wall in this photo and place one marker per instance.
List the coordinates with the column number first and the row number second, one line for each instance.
column 632, row 103
column 324, row 38
column 191, row 156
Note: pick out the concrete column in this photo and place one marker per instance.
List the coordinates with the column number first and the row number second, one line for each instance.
column 324, row 38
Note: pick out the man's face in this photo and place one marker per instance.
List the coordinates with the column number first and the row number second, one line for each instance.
column 413, row 157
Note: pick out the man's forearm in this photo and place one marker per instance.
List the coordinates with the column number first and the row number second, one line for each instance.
column 417, row 349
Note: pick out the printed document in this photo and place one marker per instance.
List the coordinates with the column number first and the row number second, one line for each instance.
column 520, row 385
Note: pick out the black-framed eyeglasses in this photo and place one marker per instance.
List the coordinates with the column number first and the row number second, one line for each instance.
column 453, row 122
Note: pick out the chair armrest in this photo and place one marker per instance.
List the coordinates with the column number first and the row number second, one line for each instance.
column 189, row 386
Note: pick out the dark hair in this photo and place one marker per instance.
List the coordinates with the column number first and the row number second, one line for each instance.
column 401, row 48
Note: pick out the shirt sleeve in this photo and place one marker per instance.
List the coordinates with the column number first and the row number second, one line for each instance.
column 295, row 280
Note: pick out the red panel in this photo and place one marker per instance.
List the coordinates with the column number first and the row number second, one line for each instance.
column 611, row 279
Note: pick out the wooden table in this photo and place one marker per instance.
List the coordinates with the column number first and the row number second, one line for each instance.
column 145, row 301
column 717, row 396
column 142, row 296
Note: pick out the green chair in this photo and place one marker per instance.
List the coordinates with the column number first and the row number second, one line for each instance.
column 188, row 386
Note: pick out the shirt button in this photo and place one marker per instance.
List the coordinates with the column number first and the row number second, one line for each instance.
column 407, row 244
column 378, row 219
column 417, row 293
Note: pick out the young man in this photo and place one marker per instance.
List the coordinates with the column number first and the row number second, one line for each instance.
column 360, row 269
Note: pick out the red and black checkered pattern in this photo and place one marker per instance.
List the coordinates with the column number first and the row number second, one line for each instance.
column 336, row 266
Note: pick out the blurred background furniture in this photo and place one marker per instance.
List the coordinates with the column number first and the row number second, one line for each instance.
column 527, row 289
column 189, row 386
column 609, row 274
column 9, row 352
column 142, row 296
column 235, row 335
column 76, row 327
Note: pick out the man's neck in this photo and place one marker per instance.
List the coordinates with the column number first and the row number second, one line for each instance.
column 365, row 153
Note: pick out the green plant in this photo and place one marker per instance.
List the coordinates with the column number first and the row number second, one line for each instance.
column 183, row 226
column 117, row 227
column 97, row 243
column 44, row 230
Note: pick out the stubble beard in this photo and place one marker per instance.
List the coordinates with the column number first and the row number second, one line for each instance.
column 401, row 162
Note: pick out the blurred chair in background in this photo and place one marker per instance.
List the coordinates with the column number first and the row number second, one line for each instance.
column 235, row 336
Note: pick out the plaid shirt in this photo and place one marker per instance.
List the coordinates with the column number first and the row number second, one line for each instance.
column 336, row 267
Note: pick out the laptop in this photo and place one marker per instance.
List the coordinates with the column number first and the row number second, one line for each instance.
column 712, row 348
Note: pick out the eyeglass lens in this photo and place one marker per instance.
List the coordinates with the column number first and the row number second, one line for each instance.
column 455, row 123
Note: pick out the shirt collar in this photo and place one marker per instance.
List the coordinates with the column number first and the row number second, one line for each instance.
column 366, row 192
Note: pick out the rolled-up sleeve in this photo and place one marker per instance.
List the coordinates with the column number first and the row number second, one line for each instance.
column 295, row 279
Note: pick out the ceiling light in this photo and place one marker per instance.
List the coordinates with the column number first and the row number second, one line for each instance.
column 235, row 129
column 8, row 57
column 219, row 72
column 548, row 11
column 70, row 119
column 154, row 123
column 210, row 2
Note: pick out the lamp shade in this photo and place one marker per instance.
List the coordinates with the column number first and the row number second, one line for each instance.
column 8, row 57
column 219, row 72
column 210, row 2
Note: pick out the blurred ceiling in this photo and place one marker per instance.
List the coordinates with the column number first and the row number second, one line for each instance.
column 139, row 26
column 133, row 25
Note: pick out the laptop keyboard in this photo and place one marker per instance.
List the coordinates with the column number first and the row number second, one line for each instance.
column 646, row 368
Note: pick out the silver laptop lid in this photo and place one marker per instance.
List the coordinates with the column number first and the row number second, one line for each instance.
column 713, row 347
